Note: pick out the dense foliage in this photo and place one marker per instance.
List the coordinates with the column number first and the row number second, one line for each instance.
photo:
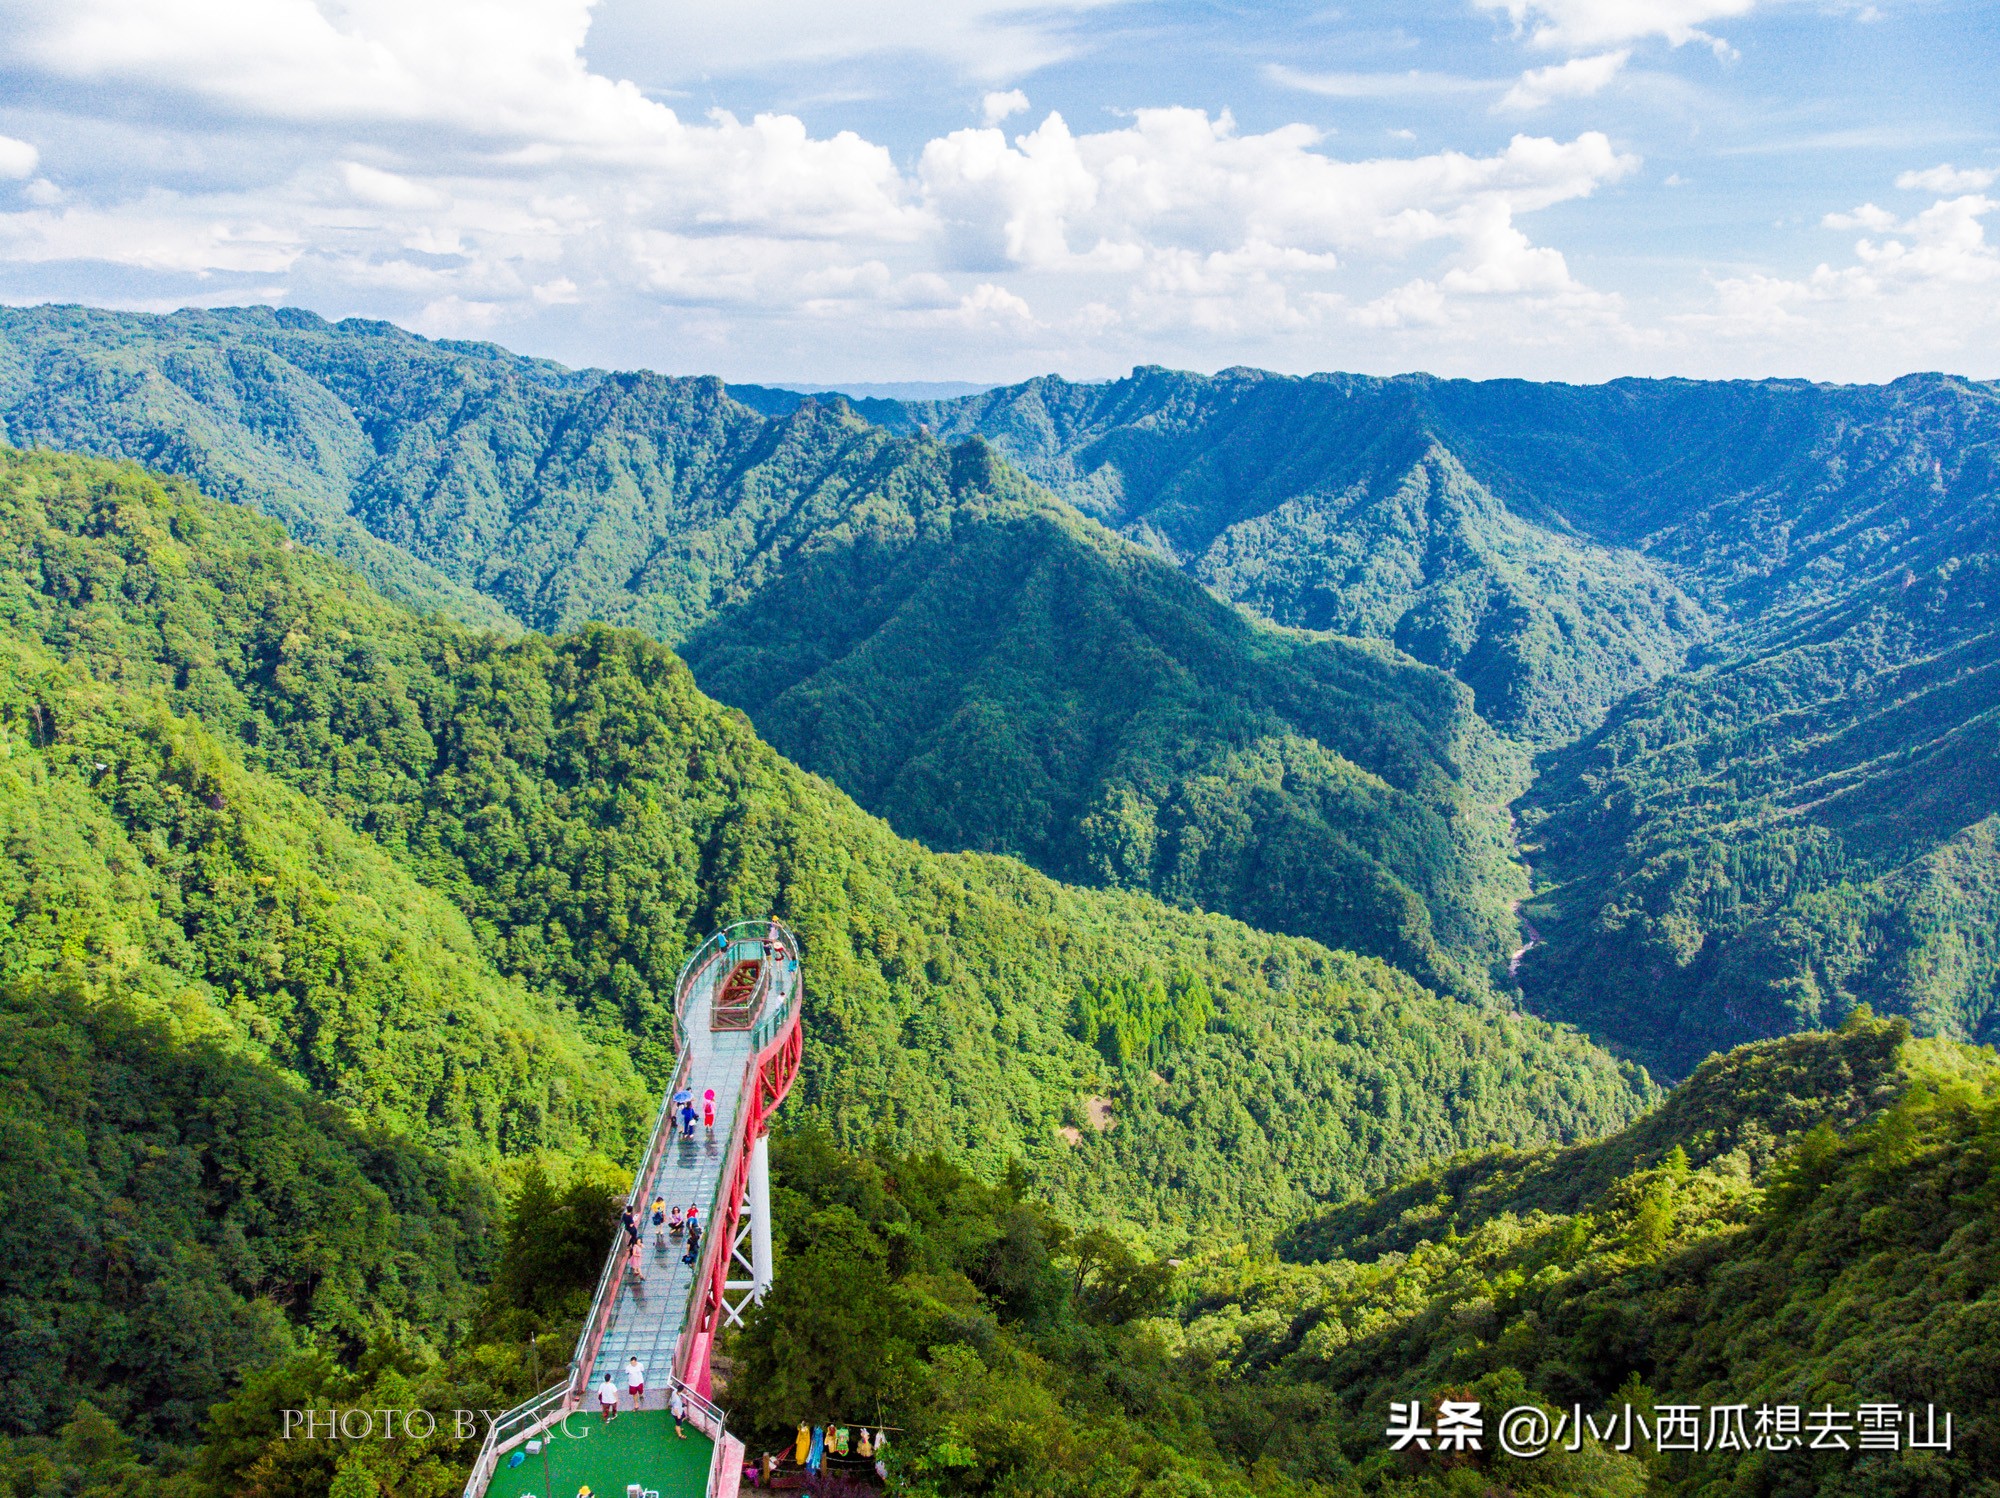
column 1001, row 676
column 327, row 925
column 1339, row 503
column 1009, row 1352
column 956, row 649
column 1805, row 1222
column 179, row 1213
column 592, row 815
column 1824, row 1229
column 1761, row 844
column 1130, row 1021
column 1800, row 821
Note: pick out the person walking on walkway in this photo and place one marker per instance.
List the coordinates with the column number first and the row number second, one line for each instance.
column 607, row 1398
column 635, row 1380
column 708, row 1111
column 636, row 1261
column 679, row 1405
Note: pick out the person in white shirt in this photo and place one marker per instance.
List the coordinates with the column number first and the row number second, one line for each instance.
column 607, row 1398
column 635, row 1380
column 679, row 1405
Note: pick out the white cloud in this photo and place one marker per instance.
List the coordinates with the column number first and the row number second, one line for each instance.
column 17, row 158
column 1413, row 83
column 997, row 106
column 387, row 189
column 1181, row 178
column 148, row 235
column 987, row 39
column 1578, row 78
column 1579, row 25
column 467, row 170
column 1946, row 179
column 1923, row 287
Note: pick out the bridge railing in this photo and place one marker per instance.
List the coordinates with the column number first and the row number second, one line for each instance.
column 700, row 1320
column 612, row 1278
column 519, row 1424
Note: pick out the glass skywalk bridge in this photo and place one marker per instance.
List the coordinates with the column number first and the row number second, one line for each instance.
column 736, row 1011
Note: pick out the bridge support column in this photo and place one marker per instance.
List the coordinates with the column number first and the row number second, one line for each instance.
column 759, row 1191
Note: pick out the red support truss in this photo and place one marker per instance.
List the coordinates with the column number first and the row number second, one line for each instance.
column 768, row 1076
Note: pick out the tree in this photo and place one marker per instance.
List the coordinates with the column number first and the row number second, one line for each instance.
column 824, row 1344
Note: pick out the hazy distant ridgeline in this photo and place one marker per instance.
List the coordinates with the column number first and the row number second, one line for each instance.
column 1540, row 541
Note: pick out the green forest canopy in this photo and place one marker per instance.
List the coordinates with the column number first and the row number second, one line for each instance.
column 298, row 874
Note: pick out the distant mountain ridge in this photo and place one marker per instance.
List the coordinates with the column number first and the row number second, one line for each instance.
column 1317, row 785
column 1801, row 819
column 1739, row 627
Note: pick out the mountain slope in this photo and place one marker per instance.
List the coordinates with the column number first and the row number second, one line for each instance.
column 1808, row 1222
column 907, row 616
column 1063, row 697
column 591, row 815
column 1761, row 844
column 1314, row 787
column 1335, row 503
column 1797, row 820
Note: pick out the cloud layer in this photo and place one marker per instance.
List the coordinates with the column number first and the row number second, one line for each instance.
column 464, row 168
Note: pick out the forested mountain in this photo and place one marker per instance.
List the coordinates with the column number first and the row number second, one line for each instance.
column 954, row 647
column 1808, row 1222
column 1801, row 819
column 1541, row 541
column 1756, row 845
column 294, row 871
column 1741, row 623
column 1342, row 503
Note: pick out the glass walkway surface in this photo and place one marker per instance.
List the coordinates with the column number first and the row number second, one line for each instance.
column 647, row 1317
column 583, row 1451
column 737, row 1008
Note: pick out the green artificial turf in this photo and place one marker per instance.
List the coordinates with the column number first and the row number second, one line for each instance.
column 638, row 1446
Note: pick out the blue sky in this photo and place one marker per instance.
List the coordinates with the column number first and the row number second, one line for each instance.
column 911, row 189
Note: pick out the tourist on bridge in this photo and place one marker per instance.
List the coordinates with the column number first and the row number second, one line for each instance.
column 637, row 1261
column 607, row 1398
column 687, row 1119
column 635, row 1380
column 631, row 1221
column 708, row 1111
column 674, row 1221
column 678, row 1405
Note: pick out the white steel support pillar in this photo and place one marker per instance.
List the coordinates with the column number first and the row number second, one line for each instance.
column 760, row 1215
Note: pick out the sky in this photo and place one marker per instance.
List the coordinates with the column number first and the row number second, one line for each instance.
column 984, row 190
